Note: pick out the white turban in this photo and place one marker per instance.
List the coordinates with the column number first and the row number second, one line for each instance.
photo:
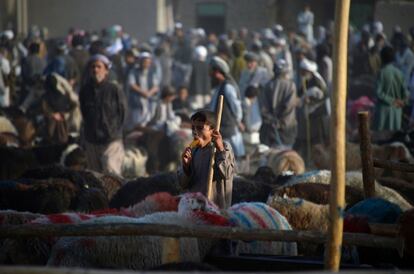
column 102, row 58
column 200, row 53
column 308, row 65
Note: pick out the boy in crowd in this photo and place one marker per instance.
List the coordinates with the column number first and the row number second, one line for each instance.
column 195, row 161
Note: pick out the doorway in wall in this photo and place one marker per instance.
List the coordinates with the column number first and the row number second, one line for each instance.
column 211, row 17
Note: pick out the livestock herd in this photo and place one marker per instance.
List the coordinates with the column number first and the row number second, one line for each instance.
column 40, row 186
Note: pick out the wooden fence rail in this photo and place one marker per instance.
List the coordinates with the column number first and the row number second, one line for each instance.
column 404, row 167
column 55, row 270
column 211, row 232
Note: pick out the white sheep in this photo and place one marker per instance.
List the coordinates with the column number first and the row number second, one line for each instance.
column 132, row 252
column 36, row 251
column 138, row 252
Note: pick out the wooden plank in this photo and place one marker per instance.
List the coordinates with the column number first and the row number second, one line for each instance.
column 209, row 232
column 390, row 230
column 368, row 175
column 170, row 250
column 338, row 136
column 393, row 165
column 62, row 270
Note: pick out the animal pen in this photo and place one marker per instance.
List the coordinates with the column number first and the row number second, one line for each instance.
column 333, row 238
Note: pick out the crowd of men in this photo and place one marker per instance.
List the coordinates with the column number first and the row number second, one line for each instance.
column 276, row 84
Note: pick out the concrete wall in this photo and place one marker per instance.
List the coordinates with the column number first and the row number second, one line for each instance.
column 255, row 14
column 7, row 14
column 288, row 10
column 393, row 13
column 138, row 17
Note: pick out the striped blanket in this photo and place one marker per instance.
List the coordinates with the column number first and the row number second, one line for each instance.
column 261, row 216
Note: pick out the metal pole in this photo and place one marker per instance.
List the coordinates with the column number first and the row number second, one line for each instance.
column 338, row 137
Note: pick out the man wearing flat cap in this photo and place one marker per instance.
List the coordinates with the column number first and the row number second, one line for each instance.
column 103, row 106
column 232, row 115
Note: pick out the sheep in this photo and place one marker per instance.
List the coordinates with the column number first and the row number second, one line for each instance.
column 110, row 182
column 186, row 266
column 134, row 163
column 249, row 190
column 132, row 252
column 81, row 178
column 318, row 193
column 260, row 215
column 13, row 217
column 406, row 189
column 38, row 196
column 322, row 158
column 36, row 251
column 256, row 188
column 301, row 214
column 280, row 160
column 73, row 157
column 406, row 222
column 90, row 194
column 24, row 126
column 137, row 252
column 7, row 126
column 18, row 160
column 136, row 190
column 285, row 160
column 244, row 215
column 15, row 161
column 8, row 133
column 376, row 210
column 158, row 202
column 353, row 179
column 395, row 151
column 18, row 251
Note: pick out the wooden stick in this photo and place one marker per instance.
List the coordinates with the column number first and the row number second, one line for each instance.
column 209, row 232
column 219, row 112
column 170, row 250
column 404, row 167
column 307, row 124
column 368, row 174
column 338, row 136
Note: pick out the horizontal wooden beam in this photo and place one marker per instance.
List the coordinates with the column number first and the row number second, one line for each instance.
column 393, row 165
column 390, row 230
column 210, row 232
column 63, row 270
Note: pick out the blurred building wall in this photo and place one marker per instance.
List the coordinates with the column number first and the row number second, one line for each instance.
column 234, row 14
column 138, row 18
column 393, row 13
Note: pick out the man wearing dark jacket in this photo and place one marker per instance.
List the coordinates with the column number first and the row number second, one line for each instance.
column 103, row 107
